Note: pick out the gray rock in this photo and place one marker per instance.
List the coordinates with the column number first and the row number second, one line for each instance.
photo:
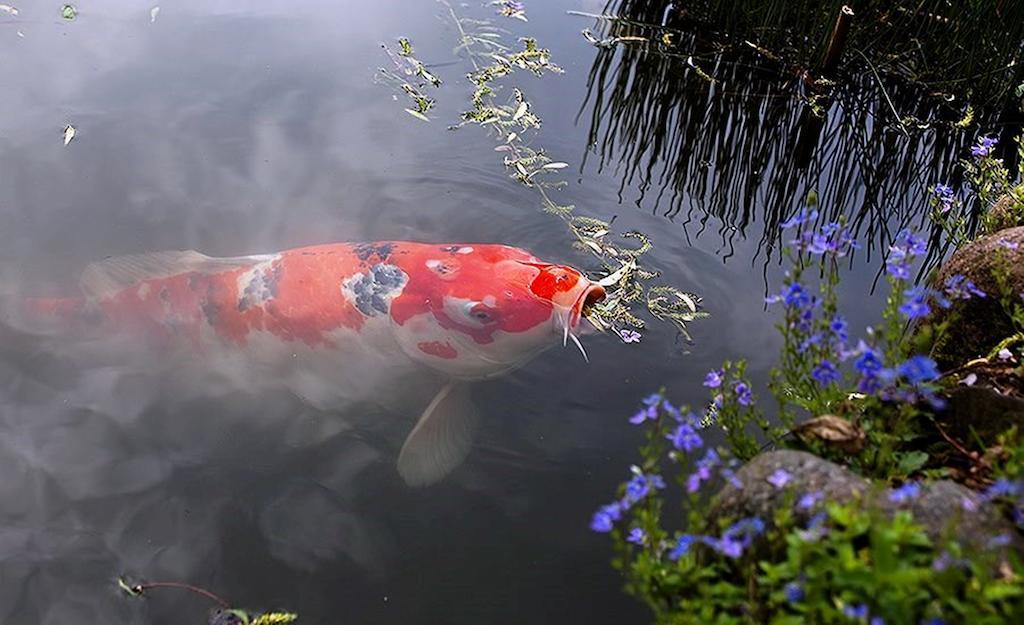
column 943, row 508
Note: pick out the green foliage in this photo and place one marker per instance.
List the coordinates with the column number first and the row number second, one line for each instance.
column 814, row 562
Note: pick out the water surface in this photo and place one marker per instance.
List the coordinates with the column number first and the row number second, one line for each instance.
column 237, row 128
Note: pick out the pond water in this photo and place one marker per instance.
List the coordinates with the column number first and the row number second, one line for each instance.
column 236, row 128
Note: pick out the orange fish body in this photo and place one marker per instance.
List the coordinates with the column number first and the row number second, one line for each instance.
column 342, row 321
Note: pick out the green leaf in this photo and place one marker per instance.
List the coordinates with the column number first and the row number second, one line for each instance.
column 68, row 12
column 912, row 461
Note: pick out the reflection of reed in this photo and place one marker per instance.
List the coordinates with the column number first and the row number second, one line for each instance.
column 748, row 146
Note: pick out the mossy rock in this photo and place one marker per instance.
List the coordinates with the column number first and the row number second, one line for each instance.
column 1007, row 212
column 978, row 324
column 940, row 507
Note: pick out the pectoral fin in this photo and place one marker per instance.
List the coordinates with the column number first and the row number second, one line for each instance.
column 441, row 439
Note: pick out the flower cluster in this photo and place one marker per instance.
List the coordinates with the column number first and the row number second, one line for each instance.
column 640, row 486
column 944, row 197
column 984, row 147
column 832, row 239
column 907, row 247
column 959, row 287
column 732, row 543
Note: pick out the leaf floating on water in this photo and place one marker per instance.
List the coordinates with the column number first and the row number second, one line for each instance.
column 68, row 12
column 417, row 115
column 133, row 590
column 6, row 8
column 69, row 133
column 153, row 13
column 614, row 278
column 520, row 111
column 274, row 618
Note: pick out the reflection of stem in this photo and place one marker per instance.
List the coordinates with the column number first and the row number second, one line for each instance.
column 899, row 120
column 140, row 588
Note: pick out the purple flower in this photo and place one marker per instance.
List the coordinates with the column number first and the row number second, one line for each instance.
column 999, row 540
column 815, row 528
column 636, row 536
column 876, row 620
column 743, row 394
column 652, row 400
column 779, row 478
column 907, row 247
column 825, row 373
column 1002, row 487
column 1010, row 245
column 737, row 538
column 839, row 328
column 604, row 519
column 793, row 295
column 943, row 191
column 915, row 303
column 809, row 500
column 714, row 378
column 794, row 592
column 814, row 339
column 859, row 611
column 1004, row 354
column 640, row 486
column 629, row 336
column 682, row 546
column 959, row 287
column 905, row 493
column 703, row 472
column 983, row 147
column 685, row 438
column 919, row 369
column 800, row 218
column 648, row 413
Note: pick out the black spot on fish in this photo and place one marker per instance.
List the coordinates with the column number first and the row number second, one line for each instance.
column 372, row 292
column 261, row 288
column 450, row 249
column 210, row 311
column 365, row 250
column 165, row 296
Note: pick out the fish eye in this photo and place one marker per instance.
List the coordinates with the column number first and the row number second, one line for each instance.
column 480, row 313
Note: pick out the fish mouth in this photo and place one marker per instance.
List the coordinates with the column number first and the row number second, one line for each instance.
column 590, row 296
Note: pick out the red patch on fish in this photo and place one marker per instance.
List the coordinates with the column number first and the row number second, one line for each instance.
column 439, row 349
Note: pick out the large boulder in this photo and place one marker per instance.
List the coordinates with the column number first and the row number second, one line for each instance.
column 938, row 507
column 1007, row 212
column 978, row 324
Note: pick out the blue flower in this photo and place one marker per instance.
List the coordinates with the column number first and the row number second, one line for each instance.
column 915, row 303
column 933, row 621
column 636, row 536
column 630, row 336
column 905, row 493
column 737, row 538
column 919, row 369
column 682, row 546
column 839, row 328
column 983, row 147
column 649, row 413
column 703, row 472
column 876, row 620
column 809, row 500
column 825, row 373
column 685, row 438
column 959, row 287
column 815, row 528
column 814, row 339
column 794, row 592
column 800, row 218
column 652, row 400
column 604, row 519
column 779, row 478
column 859, row 611
column 1002, row 487
column 794, row 295
column 944, row 190
column 743, row 394
column 640, row 486
column 714, row 378
column 907, row 247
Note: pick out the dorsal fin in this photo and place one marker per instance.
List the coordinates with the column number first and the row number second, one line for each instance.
column 111, row 275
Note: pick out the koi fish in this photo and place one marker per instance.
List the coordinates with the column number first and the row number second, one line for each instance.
column 342, row 322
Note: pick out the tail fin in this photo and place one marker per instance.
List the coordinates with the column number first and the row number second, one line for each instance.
column 35, row 315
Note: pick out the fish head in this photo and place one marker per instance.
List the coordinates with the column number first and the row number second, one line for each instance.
column 483, row 310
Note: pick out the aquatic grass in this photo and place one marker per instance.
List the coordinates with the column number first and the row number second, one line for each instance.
column 510, row 120
column 740, row 148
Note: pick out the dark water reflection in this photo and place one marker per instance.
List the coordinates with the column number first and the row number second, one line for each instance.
column 236, row 128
